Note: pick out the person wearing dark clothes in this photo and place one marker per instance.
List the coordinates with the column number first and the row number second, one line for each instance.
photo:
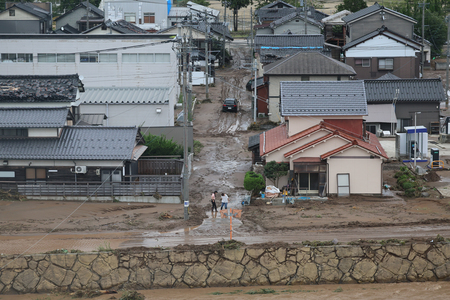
column 213, row 201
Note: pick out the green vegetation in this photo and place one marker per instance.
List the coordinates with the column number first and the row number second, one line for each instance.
column 106, row 247
column 63, row 251
column 131, row 295
column 274, row 170
column 318, row 243
column 338, row 290
column 229, row 244
column 160, row 145
column 261, row 291
column 407, row 182
column 254, row 182
column 197, row 147
column 351, row 5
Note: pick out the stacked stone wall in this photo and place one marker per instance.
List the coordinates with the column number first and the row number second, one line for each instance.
column 242, row 267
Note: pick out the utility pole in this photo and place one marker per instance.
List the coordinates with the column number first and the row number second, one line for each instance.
column 185, row 127
column 423, row 5
column 206, row 56
column 224, row 31
column 255, row 106
column 448, row 53
column 306, row 16
column 190, row 115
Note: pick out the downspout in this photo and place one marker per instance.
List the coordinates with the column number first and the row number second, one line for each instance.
column 107, row 114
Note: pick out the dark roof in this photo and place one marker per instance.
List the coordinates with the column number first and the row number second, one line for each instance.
column 85, row 4
column 409, row 90
column 309, row 63
column 276, row 3
column 75, row 143
column 32, row 9
column 386, row 32
column 321, row 98
column 33, row 117
column 292, row 16
column 289, row 40
column 39, row 88
column 272, row 14
column 253, row 141
column 121, row 26
column 259, row 82
column 372, row 9
column 67, row 29
column 270, row 55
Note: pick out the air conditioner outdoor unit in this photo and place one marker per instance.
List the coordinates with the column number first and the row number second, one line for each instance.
column 80, row 169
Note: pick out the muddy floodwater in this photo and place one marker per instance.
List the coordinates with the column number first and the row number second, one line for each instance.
column 409, row 291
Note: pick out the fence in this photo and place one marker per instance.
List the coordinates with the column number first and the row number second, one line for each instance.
column 146, row 186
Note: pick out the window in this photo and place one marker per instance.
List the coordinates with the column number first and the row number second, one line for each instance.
column 343, row 184
column 89, row 57
column 149, row 17
column 17, row 57
column 108, row 57
column 9, row 57
column 65, row 58
column 162, row 57
column 385, row 63
column 12, row 12
column 129, row 57
column 13, row 132
column 47, row 57
column 362, row 62
column 35, row 174
column 305, row 78
column 130, row 17
column 146, row 57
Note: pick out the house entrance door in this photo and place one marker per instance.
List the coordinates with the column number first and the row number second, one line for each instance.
column 343, row 184
column 111, row 176
column 310, row 178
column 308, row 182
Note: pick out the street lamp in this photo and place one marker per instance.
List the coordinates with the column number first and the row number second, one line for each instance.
column 416, row 137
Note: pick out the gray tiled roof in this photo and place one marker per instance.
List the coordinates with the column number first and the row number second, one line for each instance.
column 38, row 88
column 67, row 29
column 275, row 5
column 126, row 95
column 85, row 4
column 253, row 140
column 388, row 76
column 309, row 63
column 323, row 98
column 409, row 90
column 272, row 14
column 372, row 9
column 386, row 32
column 119, row 26
column 270, row 55
column 33, row 117
column 75, row 143
column 292, row 16
column 179, row 12
column 289, row 40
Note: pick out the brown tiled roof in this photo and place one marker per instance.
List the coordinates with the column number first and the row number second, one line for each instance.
column 277, row 137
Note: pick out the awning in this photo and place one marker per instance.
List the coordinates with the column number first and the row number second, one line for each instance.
column 381, row 113
column 138, row 151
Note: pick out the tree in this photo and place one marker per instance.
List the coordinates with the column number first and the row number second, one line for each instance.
column 159, row 145
column 351, row 5
column 236, row 5
column 253, row 182
column 274, row 171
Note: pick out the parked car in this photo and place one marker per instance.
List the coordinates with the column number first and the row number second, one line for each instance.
column 230, row 104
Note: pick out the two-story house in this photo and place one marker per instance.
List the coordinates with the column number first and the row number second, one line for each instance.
column 25, row 17
column 79, row 17
column 323, row 140
column 301, row 66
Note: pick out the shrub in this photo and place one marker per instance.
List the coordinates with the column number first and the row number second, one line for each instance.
column 407, row 185
column 254, row 182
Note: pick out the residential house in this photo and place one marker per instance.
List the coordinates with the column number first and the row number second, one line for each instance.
column 334, row 32
column 383, row 51
column 271, row 48
column 293, row 23
column 132, row 106
column 393, row 101
column 366, row 20
column 79, row 16
column 302, row 66
column 150, row 16
column 25, row 17
column 279, row 9
column 323, row 140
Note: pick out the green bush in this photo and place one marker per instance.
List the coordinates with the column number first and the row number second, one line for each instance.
column 410, row 192
column 407, row 185
column 254, row 182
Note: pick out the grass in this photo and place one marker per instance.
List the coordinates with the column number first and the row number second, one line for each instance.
column 63, row 251
column 299, row 291
column 106, row 247
column 230, row 293
column 197, row 147
column 338, row 290
column 261, row 291
column 131, row 295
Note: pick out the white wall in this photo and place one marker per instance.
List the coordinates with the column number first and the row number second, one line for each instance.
column 113, row 74
column 365, row 173
column 380, row 46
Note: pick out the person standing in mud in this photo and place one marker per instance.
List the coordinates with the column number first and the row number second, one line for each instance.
column 213, row 201
column 224, row 201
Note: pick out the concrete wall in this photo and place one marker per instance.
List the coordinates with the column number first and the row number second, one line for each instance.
column 208, row 268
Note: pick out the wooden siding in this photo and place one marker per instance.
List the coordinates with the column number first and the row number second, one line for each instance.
column 160, row 167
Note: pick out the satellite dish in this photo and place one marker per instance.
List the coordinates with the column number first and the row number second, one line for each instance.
column 81, row 77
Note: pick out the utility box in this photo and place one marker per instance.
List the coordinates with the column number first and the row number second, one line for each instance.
column 434, row 154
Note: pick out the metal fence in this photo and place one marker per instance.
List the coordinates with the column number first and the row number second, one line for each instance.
column 146, row 186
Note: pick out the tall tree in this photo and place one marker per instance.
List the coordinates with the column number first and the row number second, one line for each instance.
column 351, row 5
column 236, row 5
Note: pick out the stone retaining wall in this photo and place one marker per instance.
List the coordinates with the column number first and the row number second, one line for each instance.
column 165, row 269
